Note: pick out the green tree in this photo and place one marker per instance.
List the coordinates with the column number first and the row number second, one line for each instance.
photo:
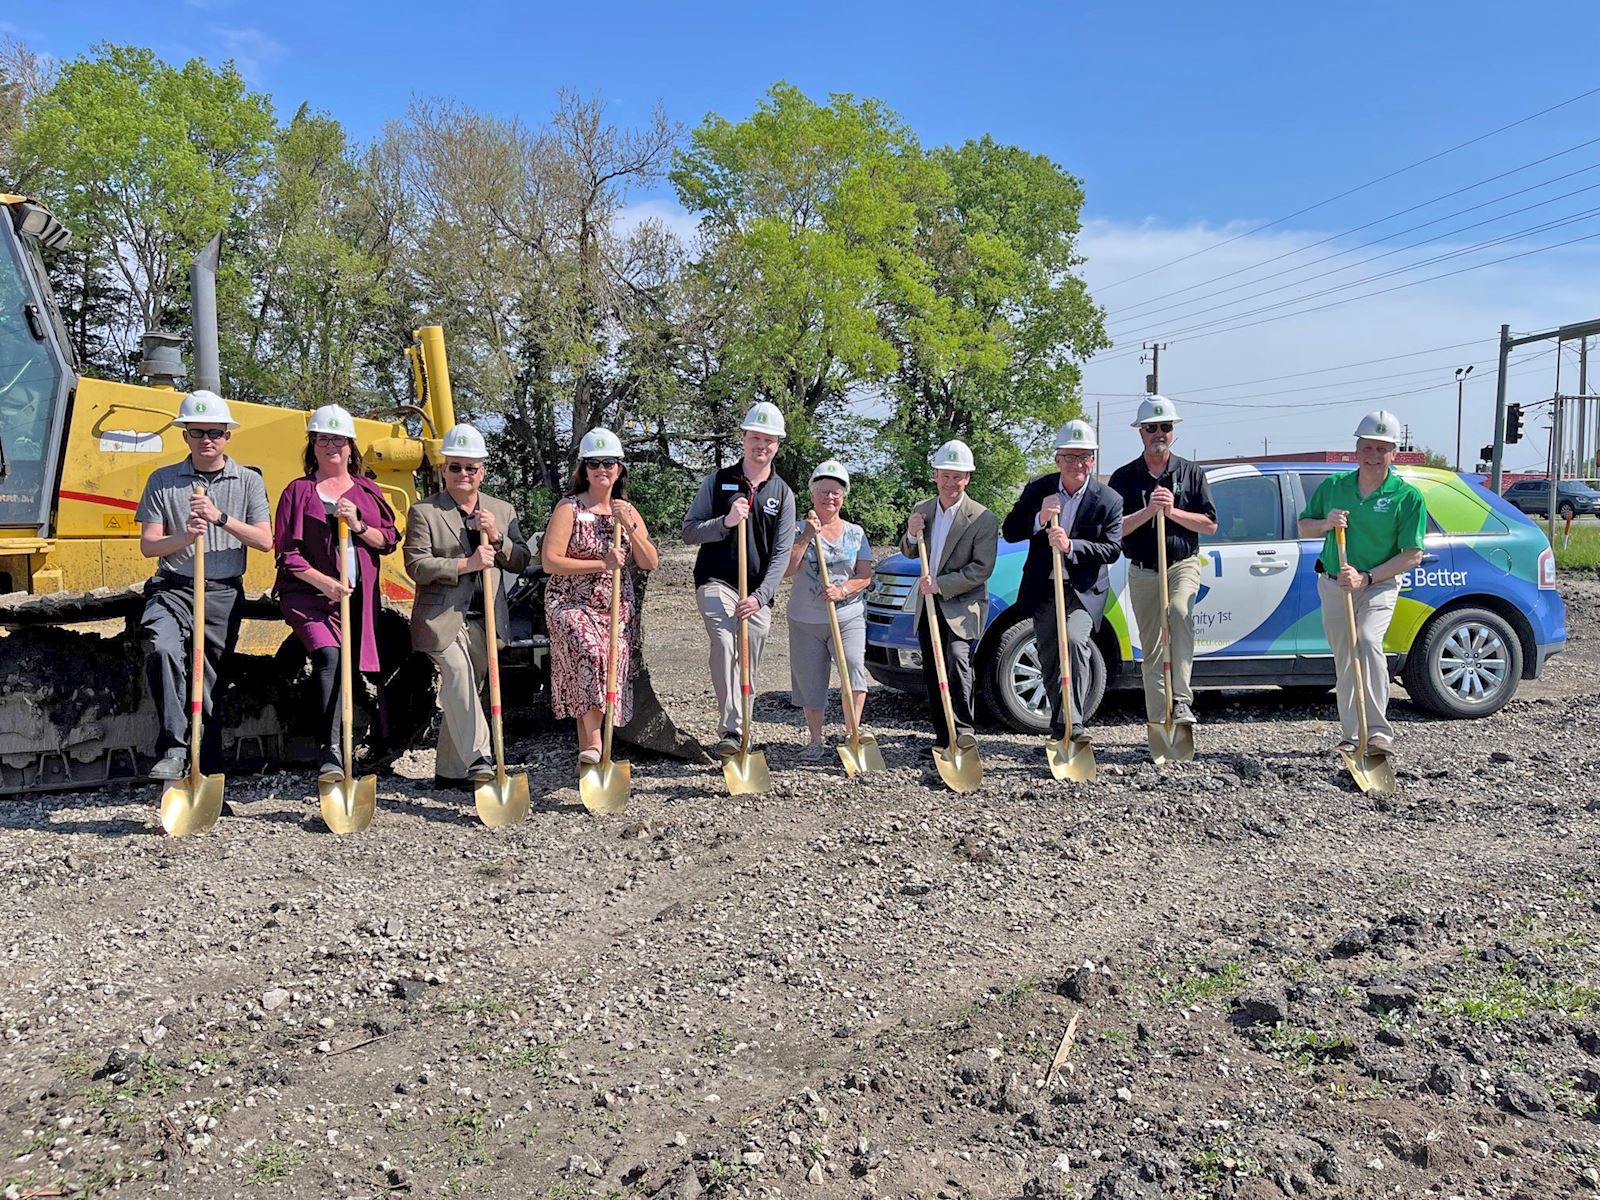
column 809, row 214
column 145, row 163
column 995, row 358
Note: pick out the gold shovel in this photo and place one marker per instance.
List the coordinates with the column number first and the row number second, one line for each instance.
column 193, row 805
column 348, row 804
column 503, row 800
column 959, row 766
column 746, row 771
column 1372, row 772
column 1069, row 758
column 1169, row 742
column 861, row 754
column 603, row 786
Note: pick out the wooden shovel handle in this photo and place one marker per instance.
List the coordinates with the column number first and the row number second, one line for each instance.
column 197, row 671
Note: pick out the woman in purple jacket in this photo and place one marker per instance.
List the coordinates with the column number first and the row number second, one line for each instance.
column 306, row 536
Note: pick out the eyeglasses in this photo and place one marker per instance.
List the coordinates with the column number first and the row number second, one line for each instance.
column 205, row 435
column 1077, row 458
column 464, row 468
column 1157, row 427
column 331, row 439
column 607, row 463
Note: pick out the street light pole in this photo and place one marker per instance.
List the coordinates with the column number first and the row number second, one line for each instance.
column 1461, row 379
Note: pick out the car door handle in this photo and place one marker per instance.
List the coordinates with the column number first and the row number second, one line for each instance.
column 1271, row 567
column 1430, row 558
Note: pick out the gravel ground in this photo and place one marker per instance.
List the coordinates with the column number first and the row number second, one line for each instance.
column 1274, row 985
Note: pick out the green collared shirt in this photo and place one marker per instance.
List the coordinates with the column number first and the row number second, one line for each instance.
column 237, row 491
column 1391, row 518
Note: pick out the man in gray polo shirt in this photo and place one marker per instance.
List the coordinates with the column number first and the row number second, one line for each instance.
column 233, row 514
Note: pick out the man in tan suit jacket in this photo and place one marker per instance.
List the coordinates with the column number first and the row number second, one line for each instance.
column 962, row 537
column 459, row 545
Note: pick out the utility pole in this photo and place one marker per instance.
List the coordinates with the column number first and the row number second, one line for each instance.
column 1566, row 333
column 1152, row 381
column 1557, row 448
column 1461, row 380
column 1583, row 409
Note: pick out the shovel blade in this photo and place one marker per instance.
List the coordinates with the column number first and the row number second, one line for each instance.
column 503, row 801
column 1373, row 773
column 191, row 805
column 1071, row 759
column 349, row 804
column 603, row 787
column 1170, row 744
column 746, row 773
column 862, row 756
column 959, row 766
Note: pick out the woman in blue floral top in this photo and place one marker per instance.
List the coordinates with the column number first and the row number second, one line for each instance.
column 849, row 556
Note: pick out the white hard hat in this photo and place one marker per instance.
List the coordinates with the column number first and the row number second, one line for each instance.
column 765, row 418
column 600, row 443
column 954, row 455
column 1077, row 435
column 1380, row 426
column 1156, row 408
column 331, row 418
column 832, row 469
column 463, row 441
column 204, row 408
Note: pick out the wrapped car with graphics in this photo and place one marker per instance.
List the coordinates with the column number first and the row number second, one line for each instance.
column 1478, row 615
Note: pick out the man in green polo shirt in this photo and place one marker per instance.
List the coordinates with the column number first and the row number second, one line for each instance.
column 1384, row 518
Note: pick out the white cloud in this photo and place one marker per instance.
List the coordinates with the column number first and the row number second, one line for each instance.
column 1536, row 292
column 667, row 212
column 251, row 50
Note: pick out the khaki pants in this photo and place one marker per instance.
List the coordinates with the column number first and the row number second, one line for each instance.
column 1374, row 611
column 716, row 602
column 463, row 733
column 1144, row 589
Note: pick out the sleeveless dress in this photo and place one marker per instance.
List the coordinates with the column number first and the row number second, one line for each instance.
column 577, row 612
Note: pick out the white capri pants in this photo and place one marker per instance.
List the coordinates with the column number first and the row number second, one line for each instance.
column 811, row 656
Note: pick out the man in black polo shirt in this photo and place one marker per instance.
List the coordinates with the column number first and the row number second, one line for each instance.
column 749, row 493
column 1160, row 481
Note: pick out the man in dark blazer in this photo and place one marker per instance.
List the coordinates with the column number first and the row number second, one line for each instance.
column 1090, row 536
column 962, row 537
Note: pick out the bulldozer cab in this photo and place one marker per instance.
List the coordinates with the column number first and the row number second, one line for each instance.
column 36, row 375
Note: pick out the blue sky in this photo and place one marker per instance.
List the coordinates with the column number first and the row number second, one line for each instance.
column 1188, row 123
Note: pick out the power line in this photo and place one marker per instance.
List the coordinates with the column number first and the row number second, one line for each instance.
column 1473, row 248
column 1368, row 295
column 1352, row 191
column 1379, row 241
column 1368, row 225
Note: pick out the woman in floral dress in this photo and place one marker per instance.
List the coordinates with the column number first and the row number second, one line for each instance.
column 579, row 559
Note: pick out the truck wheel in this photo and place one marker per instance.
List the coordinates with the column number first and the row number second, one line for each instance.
column 1011, row 683
column 1466, row 663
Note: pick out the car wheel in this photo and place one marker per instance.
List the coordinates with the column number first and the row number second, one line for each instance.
column 1011, row 680
column 1566, row 510
column 1466, row 663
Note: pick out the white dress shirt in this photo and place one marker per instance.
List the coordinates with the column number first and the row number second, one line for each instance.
column 943, row 519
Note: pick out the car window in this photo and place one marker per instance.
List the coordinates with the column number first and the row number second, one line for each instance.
column 1249, row 509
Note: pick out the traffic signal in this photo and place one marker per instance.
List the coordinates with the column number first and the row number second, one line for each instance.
column 1487, row 453
column 1513, row 423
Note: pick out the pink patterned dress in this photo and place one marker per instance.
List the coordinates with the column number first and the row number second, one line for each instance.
column 577, row 611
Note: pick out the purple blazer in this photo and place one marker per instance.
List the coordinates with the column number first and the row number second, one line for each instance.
column 304, row 537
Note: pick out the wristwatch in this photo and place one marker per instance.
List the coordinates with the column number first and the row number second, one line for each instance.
column 221, row 521
column 1368, row 574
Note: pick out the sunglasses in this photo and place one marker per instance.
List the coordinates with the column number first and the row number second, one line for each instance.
column 205, row 435
column 1157, row 427
column 607, row 463
column 464, row 468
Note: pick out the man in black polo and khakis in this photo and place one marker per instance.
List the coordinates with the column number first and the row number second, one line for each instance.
column 234, row 516
column 749, row 497
column 1160, row 481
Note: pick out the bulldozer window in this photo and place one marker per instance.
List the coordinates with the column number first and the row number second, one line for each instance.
column 31, row 391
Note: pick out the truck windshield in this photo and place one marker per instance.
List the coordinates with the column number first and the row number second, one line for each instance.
column 31, row 376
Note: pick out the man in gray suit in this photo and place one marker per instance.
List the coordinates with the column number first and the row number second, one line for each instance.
column 962, row 536
column 459, row 545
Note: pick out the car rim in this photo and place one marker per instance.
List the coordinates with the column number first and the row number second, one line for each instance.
column 1473, row 663
column 1027, row 681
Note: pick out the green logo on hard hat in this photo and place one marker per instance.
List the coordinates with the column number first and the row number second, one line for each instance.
column 1077, row 435
column 1381, row 427
column 761, row 418
column 200, row 407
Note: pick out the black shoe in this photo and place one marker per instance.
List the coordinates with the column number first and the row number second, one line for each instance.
column 171, row 765
column 331, row 771
column 481, row 771
column 966, row 742
column 446, row 783
column 1079, row 734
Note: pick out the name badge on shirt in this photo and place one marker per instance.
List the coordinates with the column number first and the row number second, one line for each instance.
column 732, row 487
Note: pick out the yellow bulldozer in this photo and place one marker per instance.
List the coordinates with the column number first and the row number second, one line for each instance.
column 74, row 456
